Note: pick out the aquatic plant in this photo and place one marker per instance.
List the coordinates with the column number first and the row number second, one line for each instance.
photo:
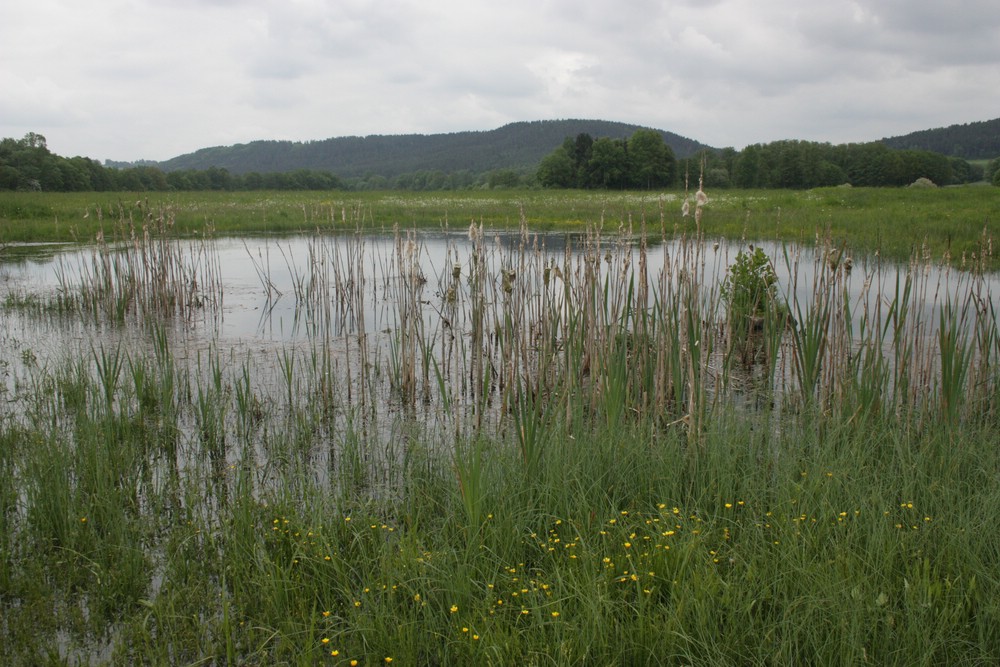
column 534, row 453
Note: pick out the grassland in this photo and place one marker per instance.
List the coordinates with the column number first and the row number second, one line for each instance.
column 948, row 222
column 585, row 465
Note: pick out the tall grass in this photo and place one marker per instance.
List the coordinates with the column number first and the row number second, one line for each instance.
column 142, row 271
column 556, row 455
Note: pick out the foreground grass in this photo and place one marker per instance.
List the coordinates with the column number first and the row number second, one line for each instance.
column 127, row 537
column 948, row 224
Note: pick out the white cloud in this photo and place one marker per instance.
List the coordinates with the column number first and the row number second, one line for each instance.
column 129, row 79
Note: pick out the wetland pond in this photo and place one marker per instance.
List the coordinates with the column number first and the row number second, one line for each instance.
column 185, row 381
column 449, row 332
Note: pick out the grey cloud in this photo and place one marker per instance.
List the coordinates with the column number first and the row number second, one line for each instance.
column 726, row 72
column 925, row 34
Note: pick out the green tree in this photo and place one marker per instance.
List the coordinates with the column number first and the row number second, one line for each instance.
column 253, row 181
column 582, row 147
column 830, row 174
column 717, row 177
column 219, row 178
column 460, row 180
column 916, row 164
column 50, row 175
column 557, row 170
column 608, row 165
column 651, row 161
column 10, row 178
column 502, row 178
column 747, row 168
column 32, row 140
column 375, row 182
column 74, row 178
column 95, row 176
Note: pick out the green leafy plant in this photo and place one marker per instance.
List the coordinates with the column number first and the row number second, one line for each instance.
column 749, row 295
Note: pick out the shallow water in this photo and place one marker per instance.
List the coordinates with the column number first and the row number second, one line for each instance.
column 341, row 303
column 289, row 290
column 260, row 275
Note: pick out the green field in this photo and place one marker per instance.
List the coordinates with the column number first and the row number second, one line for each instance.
column 568, row 467
column 942, row 222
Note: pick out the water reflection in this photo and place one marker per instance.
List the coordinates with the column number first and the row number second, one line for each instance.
column 293, row 289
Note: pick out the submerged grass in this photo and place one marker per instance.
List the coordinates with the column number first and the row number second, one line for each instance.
column 619, row 547
column 570, row 463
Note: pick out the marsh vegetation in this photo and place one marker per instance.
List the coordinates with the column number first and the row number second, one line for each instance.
column 637, row 443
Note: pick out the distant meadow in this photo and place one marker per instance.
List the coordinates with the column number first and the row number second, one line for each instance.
column 500, row 427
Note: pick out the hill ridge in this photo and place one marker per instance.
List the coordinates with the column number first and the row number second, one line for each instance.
column 978, row 140
column 519, row 145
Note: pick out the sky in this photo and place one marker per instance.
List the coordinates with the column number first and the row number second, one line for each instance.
column 153, row 79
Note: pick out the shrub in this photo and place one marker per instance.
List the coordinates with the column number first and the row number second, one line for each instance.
column 750, row 284
column 749, row 294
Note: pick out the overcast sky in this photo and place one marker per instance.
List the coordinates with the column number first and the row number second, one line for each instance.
column 133, row 79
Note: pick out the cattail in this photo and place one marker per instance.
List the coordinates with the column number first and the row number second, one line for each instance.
column 508, row 281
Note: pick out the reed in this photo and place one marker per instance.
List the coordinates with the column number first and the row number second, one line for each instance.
column 542, row 450
column 142, row 271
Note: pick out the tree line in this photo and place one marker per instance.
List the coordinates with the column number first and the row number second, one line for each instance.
column 643, row 161
column 28, row 164
column 805, row 164
column 640, row 162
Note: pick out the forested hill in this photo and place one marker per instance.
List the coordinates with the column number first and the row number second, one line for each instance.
column 518, row 146
column 971, row 141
